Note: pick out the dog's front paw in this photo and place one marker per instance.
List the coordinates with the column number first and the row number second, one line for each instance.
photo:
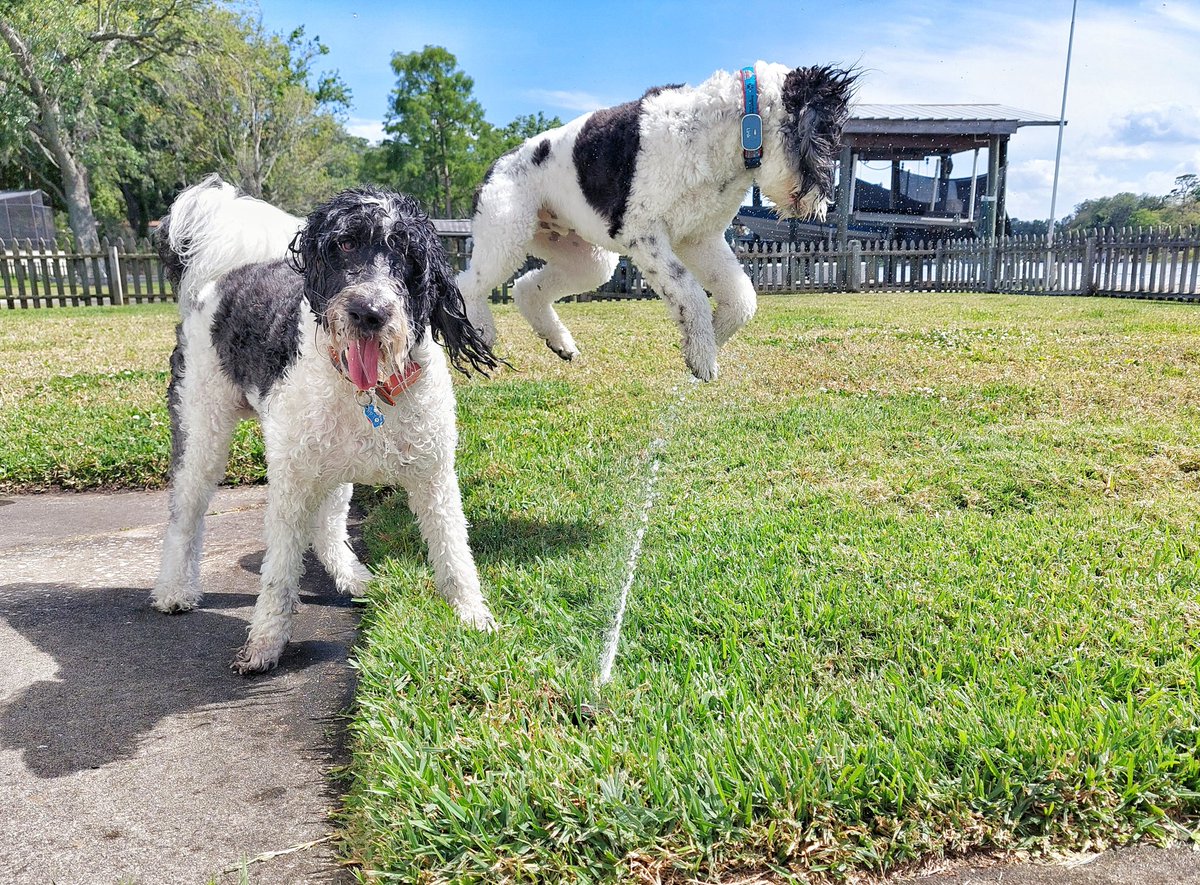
column 704, row 371
column 355, row 584
column 477, row 616
column 174, row 602
column 565, row 353
column 258, row 656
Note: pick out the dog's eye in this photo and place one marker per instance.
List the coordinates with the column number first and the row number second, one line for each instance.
column 347, row 245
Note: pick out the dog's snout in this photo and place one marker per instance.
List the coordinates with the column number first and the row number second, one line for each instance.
column 368, row 317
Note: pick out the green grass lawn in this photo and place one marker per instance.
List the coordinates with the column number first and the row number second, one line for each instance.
column 921, row 576
column 83, row 400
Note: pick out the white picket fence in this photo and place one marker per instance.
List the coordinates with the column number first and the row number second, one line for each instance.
column 1142, row 263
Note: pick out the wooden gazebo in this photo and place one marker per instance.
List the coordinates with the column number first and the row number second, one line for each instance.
column 938, row 205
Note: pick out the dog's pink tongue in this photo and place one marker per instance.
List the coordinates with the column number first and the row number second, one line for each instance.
column 362, row 362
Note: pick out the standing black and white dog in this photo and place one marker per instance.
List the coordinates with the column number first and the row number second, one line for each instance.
column 333, row 348
column 658, row 179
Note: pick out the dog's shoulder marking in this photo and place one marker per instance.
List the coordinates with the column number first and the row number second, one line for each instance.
column 605, row 155
column 541, row 152
column 256, row 324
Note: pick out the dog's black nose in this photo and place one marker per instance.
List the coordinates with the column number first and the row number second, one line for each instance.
column 367, row 317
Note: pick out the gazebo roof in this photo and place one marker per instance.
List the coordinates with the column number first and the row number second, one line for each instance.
column 909, row 131
column 946, row 113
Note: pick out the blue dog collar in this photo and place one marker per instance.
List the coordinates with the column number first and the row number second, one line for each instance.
column 751, row 122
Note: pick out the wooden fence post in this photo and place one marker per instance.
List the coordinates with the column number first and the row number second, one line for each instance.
column 854, row 277
column 116, row 290
column 1088, row 275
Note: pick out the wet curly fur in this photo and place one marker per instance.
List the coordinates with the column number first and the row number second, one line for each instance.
column 274, row 309
column 658, row 179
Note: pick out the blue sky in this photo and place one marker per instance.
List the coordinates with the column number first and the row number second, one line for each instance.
column 1133, row 104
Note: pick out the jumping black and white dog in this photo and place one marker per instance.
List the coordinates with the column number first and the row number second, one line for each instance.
column 658, row 179
column 325, row 329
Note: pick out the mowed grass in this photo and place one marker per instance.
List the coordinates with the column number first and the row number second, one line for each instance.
column 921, row 576
column 83, row 400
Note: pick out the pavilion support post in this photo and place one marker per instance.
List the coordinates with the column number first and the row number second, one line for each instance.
column 845, row 193
column 990, row 216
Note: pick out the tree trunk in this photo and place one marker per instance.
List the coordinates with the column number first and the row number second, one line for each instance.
column 79, row 204
column 137, row 212
column 47, row 127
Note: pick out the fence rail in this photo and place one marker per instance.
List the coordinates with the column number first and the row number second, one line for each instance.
column 1141, row 263
column 38, row 273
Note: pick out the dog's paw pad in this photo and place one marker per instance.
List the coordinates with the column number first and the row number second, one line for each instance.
column 564, row 353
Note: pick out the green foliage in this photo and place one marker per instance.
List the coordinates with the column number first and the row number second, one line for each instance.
column 177, row 89
column 441, row 146
column 67, row 74
column 435, row 125
column 252, row 108
column 1180, row 206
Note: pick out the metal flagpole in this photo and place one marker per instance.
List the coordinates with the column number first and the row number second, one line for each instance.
column 1062, row 122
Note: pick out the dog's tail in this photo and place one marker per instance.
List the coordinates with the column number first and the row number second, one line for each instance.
column 213, row 228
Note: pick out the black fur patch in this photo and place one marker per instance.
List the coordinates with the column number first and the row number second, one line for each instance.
column 605, row 156
column 178, row 437
column 655, row 90
column 817, row 100
column 256, row 326
column 541, row 152
column 172, row 263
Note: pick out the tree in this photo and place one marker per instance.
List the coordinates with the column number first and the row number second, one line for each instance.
column 1120, row 210
column 248, row 110
column 1180, row 206
column 527, row 126
column 441, row 146
column 435, row 124
column 1186, row 191
column 57, row 58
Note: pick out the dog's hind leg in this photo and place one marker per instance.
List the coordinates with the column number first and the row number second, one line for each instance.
column 436, row 503
column 718, row 270
column 331, row 543
column 501, row 233
column 203, row 416
column 292, row 504
column 572, row 266
column 685, row 298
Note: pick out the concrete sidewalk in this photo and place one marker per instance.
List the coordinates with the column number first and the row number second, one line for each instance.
column 128, row 750
column 129, row 753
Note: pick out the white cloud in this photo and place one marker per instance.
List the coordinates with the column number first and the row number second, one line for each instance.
column 1131, row 105
column 569, row 100
column 371, row 130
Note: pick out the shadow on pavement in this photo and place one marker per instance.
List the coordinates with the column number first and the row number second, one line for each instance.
column 123, row 666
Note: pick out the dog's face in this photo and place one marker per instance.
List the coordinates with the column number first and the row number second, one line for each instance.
column 376, row 277
column 799, row 178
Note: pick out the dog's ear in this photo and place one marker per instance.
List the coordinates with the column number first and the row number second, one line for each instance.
column 307, row 256
column 171, row 261
column 817, row 100
column 448, row 313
